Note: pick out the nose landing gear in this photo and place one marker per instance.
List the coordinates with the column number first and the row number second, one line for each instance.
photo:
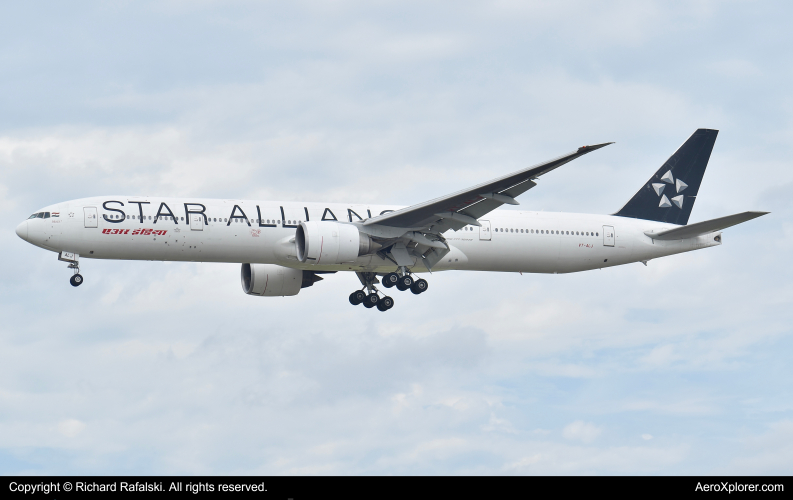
column 74, row 263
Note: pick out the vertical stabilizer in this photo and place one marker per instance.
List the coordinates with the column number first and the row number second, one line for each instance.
column 670, row 194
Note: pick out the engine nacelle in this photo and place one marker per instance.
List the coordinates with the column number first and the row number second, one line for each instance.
column 270, row 280
column 327, row 242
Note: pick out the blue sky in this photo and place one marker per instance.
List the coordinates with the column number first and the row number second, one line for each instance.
column 680, row 367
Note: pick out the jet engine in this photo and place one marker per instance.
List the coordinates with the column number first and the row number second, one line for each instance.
column 270, row 280
column 328, row 242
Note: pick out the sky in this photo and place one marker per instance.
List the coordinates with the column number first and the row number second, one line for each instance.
column 679, row 367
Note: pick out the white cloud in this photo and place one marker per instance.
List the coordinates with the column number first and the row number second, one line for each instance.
column 71, row 428
column 581, row 431
column 768, row 453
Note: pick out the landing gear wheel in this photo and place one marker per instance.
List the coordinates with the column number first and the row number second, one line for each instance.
column 404, row 283
column 385, row 304
column 420, row 286
column 76, row 280
column 390, row 280
column 371, row 300
column 357, row 297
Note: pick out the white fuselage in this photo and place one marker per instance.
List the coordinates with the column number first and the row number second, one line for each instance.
column 128, row 228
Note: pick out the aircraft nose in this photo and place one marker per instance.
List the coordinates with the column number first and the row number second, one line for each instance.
column 22, row 230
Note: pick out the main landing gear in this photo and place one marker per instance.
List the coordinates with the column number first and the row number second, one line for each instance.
column 405, row 282
column 372, row 298
column 369, row 295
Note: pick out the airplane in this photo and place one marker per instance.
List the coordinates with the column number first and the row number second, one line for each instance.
column 284, row 247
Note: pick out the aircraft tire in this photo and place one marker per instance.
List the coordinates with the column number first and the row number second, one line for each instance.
column 76, row 280
column 371, row 300
column 385, row 304
column 357, row 297
column 404, row 283
column 390, row 280
column 420, row 286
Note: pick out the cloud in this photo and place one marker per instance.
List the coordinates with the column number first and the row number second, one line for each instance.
column 581, row 431
column 71, row 428
column 770, row 452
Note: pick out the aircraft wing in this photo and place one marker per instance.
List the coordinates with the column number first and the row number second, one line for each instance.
column 462, row 208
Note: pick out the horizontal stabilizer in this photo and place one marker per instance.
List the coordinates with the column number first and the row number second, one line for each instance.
column 700, row 228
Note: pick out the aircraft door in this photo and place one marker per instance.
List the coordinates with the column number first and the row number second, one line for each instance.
column 196, row 222
column 608, row 236
column 484, row 230
column 91, row 217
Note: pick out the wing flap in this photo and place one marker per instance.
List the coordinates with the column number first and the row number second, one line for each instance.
column 705, row 227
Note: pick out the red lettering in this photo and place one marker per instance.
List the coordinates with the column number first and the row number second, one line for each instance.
column 137, row 231
column 105, row 231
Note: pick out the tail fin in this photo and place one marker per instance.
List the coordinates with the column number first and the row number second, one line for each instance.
column 670, row 194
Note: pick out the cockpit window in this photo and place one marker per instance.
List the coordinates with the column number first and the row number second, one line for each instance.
column 40, row 215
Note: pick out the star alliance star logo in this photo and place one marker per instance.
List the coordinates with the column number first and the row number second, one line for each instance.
column 680, row 186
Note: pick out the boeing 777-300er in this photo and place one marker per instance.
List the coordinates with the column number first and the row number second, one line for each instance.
column 284, row 247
